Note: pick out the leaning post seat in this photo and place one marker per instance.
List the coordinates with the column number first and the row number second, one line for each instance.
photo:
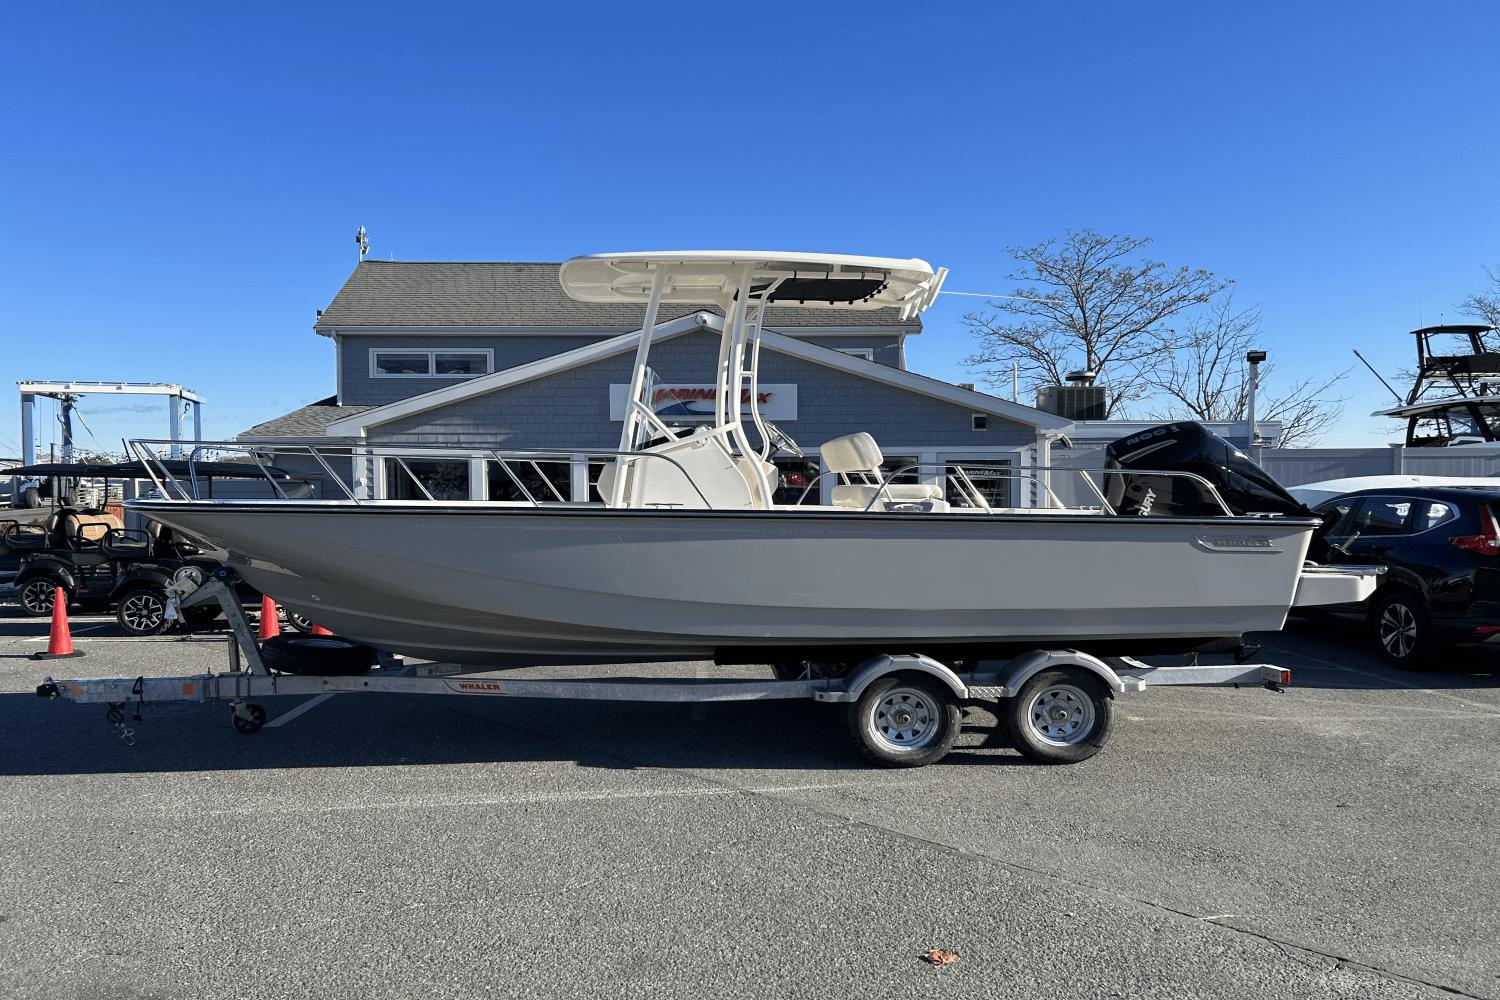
column 857, row 457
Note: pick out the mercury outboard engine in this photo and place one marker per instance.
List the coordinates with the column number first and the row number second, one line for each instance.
column 1190, row 447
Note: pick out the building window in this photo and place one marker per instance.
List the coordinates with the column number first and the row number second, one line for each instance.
column 981, row 421
column 444, row 480
column 557, row 473
column 403, row 363
column 868, row 353
column 994, row 484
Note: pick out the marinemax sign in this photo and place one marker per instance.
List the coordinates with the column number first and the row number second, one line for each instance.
column 696, row 402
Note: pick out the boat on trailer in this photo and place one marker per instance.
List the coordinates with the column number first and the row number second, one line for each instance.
column 688, row 556
column 892, row 600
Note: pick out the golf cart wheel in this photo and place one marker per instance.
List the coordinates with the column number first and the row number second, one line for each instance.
column 37, row 595
column 1402, row 631
column 904, row 721
column 143, row 611
column 316, row 655
column 1060, row 716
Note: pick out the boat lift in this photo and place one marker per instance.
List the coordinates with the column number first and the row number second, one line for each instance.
column 67, row 393
column 902, row 709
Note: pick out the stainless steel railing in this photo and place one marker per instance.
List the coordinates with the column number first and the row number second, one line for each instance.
column 515, row 465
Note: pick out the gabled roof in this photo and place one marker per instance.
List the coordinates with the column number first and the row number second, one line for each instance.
column 980, row 402
column 310, row 421
column 419, row 294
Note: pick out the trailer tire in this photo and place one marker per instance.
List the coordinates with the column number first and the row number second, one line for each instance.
column 904, row 721
column 1060, row 716
column 315, row 655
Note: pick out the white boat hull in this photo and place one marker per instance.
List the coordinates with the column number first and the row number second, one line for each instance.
column 509, row 585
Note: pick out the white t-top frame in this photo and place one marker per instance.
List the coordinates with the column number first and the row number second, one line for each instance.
column 742, row 283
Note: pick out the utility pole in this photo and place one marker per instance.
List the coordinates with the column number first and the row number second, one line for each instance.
column 1255, row 358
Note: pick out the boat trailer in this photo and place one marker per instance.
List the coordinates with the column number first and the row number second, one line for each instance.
column 902, row 709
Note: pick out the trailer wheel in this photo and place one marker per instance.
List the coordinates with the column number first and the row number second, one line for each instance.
column 904, row 721
column 1060, row 716
column 315, row 655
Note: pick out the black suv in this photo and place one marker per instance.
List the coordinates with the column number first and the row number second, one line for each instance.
column 1442, row 550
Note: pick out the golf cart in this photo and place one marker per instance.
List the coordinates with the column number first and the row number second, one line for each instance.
column 83, row 547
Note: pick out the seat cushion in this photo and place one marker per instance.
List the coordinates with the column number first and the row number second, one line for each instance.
column 852, row 453
column 860, row 495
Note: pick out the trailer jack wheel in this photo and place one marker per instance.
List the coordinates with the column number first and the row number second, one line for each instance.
column 249, row 718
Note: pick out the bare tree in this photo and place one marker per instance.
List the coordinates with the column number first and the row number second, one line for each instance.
column 1485, row 305
column 1087, row 301
column 1206, row 378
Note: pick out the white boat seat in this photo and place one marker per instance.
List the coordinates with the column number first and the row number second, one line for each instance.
column 861, row 494
column 858, row 456
column 852, row 453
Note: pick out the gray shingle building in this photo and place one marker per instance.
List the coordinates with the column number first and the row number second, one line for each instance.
column 495, row 355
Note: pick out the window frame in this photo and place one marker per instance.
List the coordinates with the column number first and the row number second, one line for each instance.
column 867, row 353
column 432, row 353
column 1388, row 499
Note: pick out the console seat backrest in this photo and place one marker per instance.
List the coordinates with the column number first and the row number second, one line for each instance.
column 858, row 458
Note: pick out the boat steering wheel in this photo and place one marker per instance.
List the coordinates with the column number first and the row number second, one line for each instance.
column 781, row 441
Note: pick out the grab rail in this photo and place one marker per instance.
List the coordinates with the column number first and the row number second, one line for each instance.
column 167, row 484
column 172, row 489
column 1023, row 473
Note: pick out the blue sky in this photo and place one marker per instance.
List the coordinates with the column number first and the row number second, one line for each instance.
column 179, row 185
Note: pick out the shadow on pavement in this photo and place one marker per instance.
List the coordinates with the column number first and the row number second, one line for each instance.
column 49, row 737
column 1337, row 654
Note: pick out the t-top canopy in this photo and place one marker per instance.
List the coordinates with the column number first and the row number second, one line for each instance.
column 1437, row 406
column 823, row 280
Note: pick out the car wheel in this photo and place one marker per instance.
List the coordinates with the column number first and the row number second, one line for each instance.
column 1402, row 630
column 143, row 611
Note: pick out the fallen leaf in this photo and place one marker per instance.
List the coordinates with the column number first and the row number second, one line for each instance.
column 940, row 956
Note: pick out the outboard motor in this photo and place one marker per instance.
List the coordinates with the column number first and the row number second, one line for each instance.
column 1190, row 447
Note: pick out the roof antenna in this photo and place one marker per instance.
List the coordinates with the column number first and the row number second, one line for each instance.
column 362, row 240
column 1377, row 375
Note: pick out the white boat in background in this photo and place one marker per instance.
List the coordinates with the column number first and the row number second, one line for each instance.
column 688, row 555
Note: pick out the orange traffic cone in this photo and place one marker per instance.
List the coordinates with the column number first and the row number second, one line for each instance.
column 320, row 630
column 270, row 619
column 60, row 642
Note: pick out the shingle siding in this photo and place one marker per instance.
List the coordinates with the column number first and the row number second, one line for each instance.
column 570, row 410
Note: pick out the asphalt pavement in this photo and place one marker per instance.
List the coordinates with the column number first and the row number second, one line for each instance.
column 1336, row 840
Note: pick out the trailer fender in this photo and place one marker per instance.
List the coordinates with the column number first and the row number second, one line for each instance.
column 883, row 665
column 1017, row 672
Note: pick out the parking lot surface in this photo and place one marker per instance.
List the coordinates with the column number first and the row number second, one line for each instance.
column 1336, row 840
